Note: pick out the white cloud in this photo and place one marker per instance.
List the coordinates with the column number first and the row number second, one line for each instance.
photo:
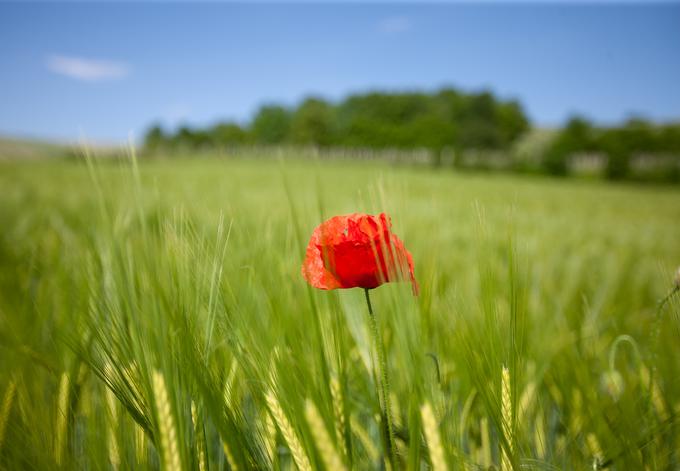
column 90, row 70
column 394, row 24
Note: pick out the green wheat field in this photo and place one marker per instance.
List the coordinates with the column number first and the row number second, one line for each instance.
column 153, row 316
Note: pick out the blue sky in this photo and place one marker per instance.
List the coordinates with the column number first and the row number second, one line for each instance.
column 105, row 71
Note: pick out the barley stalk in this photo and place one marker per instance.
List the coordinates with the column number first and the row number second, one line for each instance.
column 322, row 438
column 140, row 443
column 6, row 408
column 229, row 386
column 658, row 401
column 131, row 375
column 396, row 410
column 525, row 401
column 230, row 456
column 364, row 438
column 506, row 417
column 576, row 422
column 228, row 397
column 62, row 418
column 166, row 425
column 339, row 412
column 595, row 449
column 270, row 437
column 486, row 442
column 434, row 443
column 289, row 435
column 111, row 402
column 200, row 438
column 655, row 392
column 539, row 436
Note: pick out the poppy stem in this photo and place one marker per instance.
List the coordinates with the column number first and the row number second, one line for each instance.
column 383, row 385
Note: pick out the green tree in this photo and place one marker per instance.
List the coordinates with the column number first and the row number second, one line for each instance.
column 577, row 136
column 229, row 134
column 155, row 138
column 512, row 122
column 313, row 123
column 669, row 139
column 188, row 138
column 478, row 124
column 613, row 142
column 271, row 125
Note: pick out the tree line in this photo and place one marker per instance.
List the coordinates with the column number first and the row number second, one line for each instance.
column 624, row 150
column 444, row 119
column 477, row 129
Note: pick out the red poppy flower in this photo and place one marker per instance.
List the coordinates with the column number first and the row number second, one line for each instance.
column 356, row 251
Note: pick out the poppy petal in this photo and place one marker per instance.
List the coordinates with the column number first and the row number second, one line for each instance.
column 356, row 250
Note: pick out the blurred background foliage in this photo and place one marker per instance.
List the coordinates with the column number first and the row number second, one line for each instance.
column 447, row 127
column 413, row 120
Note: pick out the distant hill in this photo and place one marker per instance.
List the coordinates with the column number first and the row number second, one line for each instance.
column 17, row 148
column 14, row 148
